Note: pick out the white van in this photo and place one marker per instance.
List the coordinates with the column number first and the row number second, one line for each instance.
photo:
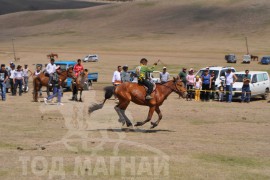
column 259, row 84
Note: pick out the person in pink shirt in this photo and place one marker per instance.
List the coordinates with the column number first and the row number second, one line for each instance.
column 78, row 68
column 190, row 82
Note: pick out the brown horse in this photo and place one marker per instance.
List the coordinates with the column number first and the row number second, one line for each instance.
column 42, row 80
column 136, row 93
column 78, row 85
column 254, row 58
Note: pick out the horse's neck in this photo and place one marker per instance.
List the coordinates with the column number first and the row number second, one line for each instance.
column 63, row 76
column 166, row 89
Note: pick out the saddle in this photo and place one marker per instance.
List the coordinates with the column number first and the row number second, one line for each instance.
column 146, row 88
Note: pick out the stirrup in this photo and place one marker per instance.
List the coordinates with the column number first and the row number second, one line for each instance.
column 148, row 97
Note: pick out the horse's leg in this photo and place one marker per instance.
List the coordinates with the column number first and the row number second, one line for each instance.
column 123, row 107
column 121, row 117
column 81, row 95
column 154, row 124
column 149, row 117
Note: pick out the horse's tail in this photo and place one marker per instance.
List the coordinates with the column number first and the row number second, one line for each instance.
column 109, row 91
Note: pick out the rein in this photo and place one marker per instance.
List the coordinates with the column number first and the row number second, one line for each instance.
column 173, row 90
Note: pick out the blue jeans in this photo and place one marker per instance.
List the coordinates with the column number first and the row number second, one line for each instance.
column 18, row 82
column 229, row 93
column 3, row 90
column 56, row 93
column 246, row 93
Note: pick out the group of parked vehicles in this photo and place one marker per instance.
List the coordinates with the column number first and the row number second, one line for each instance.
column 259, row 85
column 231, row 58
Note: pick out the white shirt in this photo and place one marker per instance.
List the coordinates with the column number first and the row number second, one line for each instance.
column 37, row 73
column 25, row 72
column 50, row 68
column 116, row 76
column 18, row 74
column 229, row 78
column 164, row 77
column 11, row 73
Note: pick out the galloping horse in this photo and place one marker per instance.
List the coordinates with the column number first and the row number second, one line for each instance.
column 42, row 80
column 136, row 93
column 78, row 86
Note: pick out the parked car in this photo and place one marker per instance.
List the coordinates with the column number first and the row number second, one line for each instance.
column 64, row 65
column 265, row 60
column 246, row 58
column 230, row 58
column 259, row 84
column 91, row 58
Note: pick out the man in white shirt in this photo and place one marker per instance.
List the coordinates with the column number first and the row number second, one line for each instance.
column 230, row 80
column 11, row 77
column 116, row 79
column 50, row 69
column 164, row 75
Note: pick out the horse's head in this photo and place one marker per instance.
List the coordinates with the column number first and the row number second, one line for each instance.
column 179, row 87
column 70, row 73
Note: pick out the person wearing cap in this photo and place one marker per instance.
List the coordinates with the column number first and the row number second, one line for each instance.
column 3, row 80
column 18, row 80
column 143, row 78
column 26, row 72
column 230, row 80
column 50, row 69
column 164, row 75
column 78, row 68
column 125, row 76
column 116, row 79
column 182, row 75
column 56, row 84
column 11, row 74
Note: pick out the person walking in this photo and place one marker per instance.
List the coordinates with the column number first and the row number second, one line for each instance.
column 246, row 93
column 3, row 80
column 11, row 77
column 164, row 75
column 125, row 76
column 206, row 85
column 26, row 72
column 18, row 80
column 56, row 84
column 230, row 80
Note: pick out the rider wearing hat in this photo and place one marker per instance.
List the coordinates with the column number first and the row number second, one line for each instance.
column 144, row 77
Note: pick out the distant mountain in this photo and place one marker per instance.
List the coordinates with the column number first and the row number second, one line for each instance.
column 11, row 6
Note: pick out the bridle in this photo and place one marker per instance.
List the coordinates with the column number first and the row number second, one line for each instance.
column 176, row 90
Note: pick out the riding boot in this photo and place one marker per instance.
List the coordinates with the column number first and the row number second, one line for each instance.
column 148, row 97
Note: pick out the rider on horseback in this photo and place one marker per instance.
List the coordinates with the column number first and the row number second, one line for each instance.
column 143, row 73
column 50, row 69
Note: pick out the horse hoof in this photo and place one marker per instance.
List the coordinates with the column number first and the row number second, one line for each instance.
column 139, row 124
column 129, row 124
column 153, row 125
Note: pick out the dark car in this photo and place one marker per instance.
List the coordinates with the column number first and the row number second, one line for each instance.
column 230, row 58
column 265, row 60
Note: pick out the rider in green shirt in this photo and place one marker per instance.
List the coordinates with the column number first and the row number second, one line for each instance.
column 143, row 79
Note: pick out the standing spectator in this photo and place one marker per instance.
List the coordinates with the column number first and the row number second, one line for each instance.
column 230, row 80
column 221, row 91
column 116, row 79
column 18, row 79
column 198, row 85
column 50, row 69
column 182, row 75
column 11, row 77
column 78, row 68
column 36, row 73
column 206, row 85
column 190, row 82
column 56, row 83
column 3, row 80
column 213, row 85
column 26, row 77
column 245, row 88
column 164, row 76
column 125, row 76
